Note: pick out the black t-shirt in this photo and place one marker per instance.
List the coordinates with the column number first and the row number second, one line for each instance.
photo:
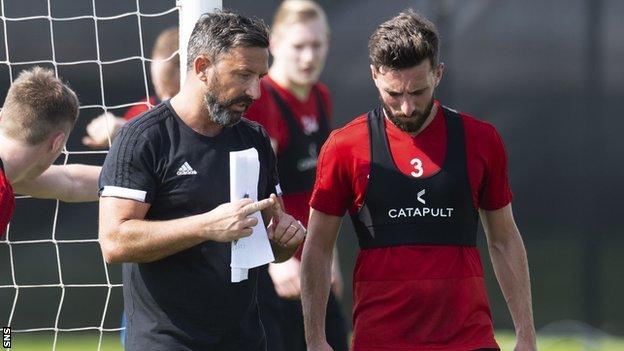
column 185, row 301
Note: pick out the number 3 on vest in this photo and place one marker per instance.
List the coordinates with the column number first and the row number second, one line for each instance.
column 417, row 163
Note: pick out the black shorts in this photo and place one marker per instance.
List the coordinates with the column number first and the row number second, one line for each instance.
column 283, row 319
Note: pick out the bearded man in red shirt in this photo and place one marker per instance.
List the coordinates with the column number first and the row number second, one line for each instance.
column 416, row 177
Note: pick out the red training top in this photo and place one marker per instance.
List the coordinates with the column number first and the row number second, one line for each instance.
column 266, row 112
column 136, row 110
column 403, row 297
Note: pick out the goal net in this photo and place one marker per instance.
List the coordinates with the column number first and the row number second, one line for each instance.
column 56, row 291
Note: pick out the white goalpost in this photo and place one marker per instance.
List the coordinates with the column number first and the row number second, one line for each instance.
column 24, row 265
column 190, row 11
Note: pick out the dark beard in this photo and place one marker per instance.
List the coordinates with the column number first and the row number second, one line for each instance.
column 411, row 124
column 220, row 111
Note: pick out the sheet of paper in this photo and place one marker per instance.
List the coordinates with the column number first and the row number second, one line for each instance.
column 255, row 250
column 239, row 274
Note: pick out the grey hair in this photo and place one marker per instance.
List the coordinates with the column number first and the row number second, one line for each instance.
column 217, row 32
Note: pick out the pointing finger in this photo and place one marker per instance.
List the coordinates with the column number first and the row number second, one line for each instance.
column 245, row 201
column 258, row 206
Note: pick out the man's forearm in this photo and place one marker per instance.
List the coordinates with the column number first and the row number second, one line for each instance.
column 83, row 184
column 125, row 236
column 316, row 275
column 69, row 183
column 315, row 284
column 509, row 261
column 137, row 240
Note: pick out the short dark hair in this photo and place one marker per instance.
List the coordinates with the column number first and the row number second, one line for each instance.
column 404, row 41
column 38, row 104
column 217, row 32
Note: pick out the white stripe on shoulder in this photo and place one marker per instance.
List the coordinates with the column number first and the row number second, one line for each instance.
column 125, row 193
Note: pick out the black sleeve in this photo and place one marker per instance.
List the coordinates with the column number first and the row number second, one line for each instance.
column 129, row 170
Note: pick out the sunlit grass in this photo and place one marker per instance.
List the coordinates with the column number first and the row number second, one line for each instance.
column 506, row 340
column 68, row 341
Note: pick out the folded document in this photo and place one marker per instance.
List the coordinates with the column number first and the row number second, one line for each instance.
column 255, row 250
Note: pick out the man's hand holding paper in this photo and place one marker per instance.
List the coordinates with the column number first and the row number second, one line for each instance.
column 234, row 220
column 285, row 232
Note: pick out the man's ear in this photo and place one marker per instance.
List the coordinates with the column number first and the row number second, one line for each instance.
column 201, row 64
column 375, row 75
column 57, row 142
column 374, row 72
column 439, row 72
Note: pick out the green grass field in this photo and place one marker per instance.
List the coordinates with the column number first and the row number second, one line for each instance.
column 89, row 342
column 74, row 341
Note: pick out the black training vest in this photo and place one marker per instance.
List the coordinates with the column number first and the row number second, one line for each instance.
column 403, row 210
column 297, row 164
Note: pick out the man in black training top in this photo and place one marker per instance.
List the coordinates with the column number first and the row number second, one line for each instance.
column 165, row 208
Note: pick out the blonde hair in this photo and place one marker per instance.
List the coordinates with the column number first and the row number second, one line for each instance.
column 298, row 11
column 166, row 44
column 37, row 105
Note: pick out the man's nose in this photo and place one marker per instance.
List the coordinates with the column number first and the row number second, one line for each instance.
column 407, row 107
column 254, row 89
column 307, row 54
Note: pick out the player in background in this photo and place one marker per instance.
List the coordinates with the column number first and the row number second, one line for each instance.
column 38, row 115
column 165, row 74
column 295, row 108
column 415, row 177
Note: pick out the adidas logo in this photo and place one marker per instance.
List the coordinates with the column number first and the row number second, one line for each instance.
column 186, row 169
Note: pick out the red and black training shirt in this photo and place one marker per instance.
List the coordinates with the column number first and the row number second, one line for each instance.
column 266, row 111
column 416, row 297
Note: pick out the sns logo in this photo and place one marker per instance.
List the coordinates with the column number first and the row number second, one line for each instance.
column 6, row 337
column 420, row 195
